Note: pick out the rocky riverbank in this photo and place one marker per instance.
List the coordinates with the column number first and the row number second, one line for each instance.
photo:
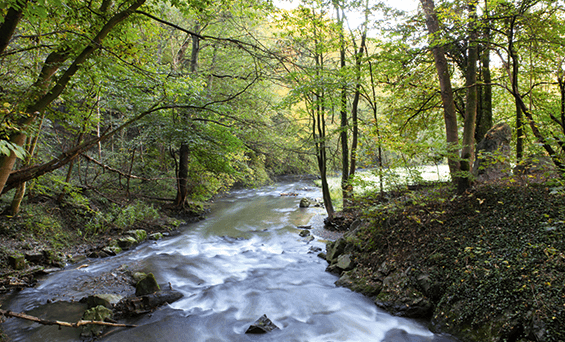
column 488, row 265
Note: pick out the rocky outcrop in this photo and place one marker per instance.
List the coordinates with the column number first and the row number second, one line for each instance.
column 493, row 154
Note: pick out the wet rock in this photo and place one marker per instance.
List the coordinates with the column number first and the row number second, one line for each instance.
column 132, row 306
column 106, row 300
column 345, row 263
column 111, row 250
column 99, row 313
column 304, row 203
column 138, row 276
column 139, row 235
column 335, row 249
column 17, row 261
column 127, row 242
column 98, row 254
column 156, row 236
column 261, row 326
column 363, row 286
column 304, row 233
column 304, row 227
column 314, row 249
column 401, row 298
column 147, row 285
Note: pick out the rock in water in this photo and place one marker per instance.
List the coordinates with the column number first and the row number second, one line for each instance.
column 262, row 326
column 304, row 203
column 99, row 313
column 147, row 285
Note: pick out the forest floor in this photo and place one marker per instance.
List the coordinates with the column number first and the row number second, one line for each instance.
column 492, row 259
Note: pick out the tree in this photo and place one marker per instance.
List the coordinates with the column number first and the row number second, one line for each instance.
column 442, row 68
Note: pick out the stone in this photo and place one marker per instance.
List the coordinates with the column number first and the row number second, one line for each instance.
column 34, row 257
column 111, row 250
column 139, row 235
column 304, row 203
column 262, row 326
column 335, row 249
column 132, row 306
column 138, row 276
column 156, row 236
column 345, row 263
column 127, row 242
column 98, row 313
column 106, row 300
column 304, row 233
column 147, row 285
column 493, row 154
column 17, row 261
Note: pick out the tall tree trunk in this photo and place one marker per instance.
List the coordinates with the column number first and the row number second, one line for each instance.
column 355, row 106
column 484, row 111
column 471, row 101
column 449, row 112
column 47, row 97
column 513, row 56
column 184, row 150
column 346, row 189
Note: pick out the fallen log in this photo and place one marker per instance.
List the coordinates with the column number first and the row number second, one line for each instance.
column 80, row 323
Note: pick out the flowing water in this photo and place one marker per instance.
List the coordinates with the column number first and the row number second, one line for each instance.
column 244, row 261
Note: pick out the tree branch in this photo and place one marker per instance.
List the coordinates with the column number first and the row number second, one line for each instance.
column 62, row 323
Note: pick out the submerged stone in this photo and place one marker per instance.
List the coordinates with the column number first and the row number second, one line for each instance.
column 261, row 326
column 98, row 313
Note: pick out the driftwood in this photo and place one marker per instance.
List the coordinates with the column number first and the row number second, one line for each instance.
column 61, row 323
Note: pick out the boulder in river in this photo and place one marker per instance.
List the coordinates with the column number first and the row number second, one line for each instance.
column 304, row 203
column 132, row 306
column 261, row 326
column 147, row 285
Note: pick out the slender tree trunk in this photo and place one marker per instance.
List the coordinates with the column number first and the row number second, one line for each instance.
column 484, row 111
column 449, row 112
column 471, row 102
column 346, row 188
column 184, row 150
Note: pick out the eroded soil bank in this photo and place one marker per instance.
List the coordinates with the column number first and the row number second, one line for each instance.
column 488, row 265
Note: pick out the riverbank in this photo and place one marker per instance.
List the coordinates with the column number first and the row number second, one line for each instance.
column 488, row 265
column 48, row 235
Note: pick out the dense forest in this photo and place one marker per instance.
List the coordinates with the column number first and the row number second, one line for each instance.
column 179, row 100
column 113, row 112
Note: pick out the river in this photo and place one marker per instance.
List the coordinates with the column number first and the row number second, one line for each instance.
column 245, row 260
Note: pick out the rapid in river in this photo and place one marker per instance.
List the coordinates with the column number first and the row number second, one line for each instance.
column 245, row 260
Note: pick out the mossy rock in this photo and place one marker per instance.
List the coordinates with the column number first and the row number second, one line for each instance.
column 112, row 250
column 106, row 300
column 147, row 285
column 98, row 313
column 304, row 203
column 127, row 242
column 139, row 235
column 17, row 261
column 156, row 236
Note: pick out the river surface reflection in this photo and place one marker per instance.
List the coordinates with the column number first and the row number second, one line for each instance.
column 244, row 261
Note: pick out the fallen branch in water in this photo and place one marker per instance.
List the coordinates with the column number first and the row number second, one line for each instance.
column 61, row 323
